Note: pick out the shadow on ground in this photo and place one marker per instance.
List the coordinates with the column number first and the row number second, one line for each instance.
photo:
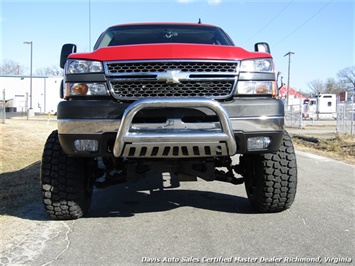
column 21, row 197
column 20, row 187
column 127, row 200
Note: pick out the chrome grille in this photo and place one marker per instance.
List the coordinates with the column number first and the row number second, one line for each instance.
column 133, row 80
column 194, row 66
column 133, row 90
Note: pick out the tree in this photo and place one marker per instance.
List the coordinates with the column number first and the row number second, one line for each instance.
column 332, row 86
column 317, row 86
column 50, row 71
column 346, row 78
column 9, row 67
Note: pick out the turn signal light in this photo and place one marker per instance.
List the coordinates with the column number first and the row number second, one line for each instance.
column 86, row 89
column 79, row 89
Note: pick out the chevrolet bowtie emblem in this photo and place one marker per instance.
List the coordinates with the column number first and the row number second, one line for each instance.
column 172, row 76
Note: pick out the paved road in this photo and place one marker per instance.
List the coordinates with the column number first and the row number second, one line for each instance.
column 201, row 222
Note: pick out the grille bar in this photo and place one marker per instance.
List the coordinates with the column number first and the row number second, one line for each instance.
column 216, row 89
column 133, row 80
column 123, row 68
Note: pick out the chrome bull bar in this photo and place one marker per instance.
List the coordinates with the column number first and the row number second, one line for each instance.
column 177, row 143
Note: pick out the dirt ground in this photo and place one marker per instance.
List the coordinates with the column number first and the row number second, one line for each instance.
column 22, row 142
column 320, row 137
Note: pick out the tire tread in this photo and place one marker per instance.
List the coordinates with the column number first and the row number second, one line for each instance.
column 62, row 182
column 276, row 178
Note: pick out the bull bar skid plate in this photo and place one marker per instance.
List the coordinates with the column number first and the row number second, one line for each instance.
column 174, row 144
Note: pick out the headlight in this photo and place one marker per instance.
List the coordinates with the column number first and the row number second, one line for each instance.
column 84, row 89
column 256, row 87
column 84, row 66
column 261, row 65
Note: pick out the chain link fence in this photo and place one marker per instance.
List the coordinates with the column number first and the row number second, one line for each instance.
column 346, row 118
column 294, row 115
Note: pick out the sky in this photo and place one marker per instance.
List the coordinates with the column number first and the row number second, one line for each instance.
column 320, row 33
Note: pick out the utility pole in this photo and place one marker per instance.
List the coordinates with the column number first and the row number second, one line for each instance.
column 89, row 25
column 30, row 110
column 288, row 78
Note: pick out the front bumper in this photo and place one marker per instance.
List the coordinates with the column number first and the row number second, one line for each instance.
column 113, row 125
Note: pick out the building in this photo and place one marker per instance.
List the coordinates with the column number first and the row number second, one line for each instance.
column 45, row 93
column 293, row 95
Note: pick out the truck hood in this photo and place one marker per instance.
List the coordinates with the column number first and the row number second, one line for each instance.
column 168, row 52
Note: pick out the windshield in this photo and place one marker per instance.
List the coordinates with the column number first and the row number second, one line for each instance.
column 145, row 34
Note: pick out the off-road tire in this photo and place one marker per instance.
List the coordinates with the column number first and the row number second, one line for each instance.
column 66, row 188
column 271, row 178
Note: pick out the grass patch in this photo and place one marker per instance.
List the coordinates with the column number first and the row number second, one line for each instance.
column 21, row 147
column 341, row 147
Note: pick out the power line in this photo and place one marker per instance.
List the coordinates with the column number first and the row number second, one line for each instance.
column 272, row 20
column 304, row 23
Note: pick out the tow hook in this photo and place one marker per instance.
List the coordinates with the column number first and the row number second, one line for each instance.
column 228, row 177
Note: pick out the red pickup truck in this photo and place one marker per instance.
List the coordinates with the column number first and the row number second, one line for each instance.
column 177, row 98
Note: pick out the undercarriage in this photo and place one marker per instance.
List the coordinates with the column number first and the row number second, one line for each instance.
column 115, row 171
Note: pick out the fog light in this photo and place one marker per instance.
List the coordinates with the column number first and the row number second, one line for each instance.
column 86, row 145
column 258, row 143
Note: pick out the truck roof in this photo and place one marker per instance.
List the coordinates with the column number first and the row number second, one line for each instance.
column 166, row 23
column 166, row 40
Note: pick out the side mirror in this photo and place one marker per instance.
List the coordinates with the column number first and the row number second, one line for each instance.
column 262, row 47
column 67, row 49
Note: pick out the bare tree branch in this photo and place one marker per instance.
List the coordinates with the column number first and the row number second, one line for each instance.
column 316, row 86
column 346, row 77
column 50, row 71
column 332, row 86
column 9, row 67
